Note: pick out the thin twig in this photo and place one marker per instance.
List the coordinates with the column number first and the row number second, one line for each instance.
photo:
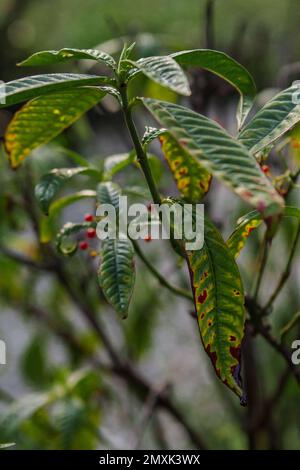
column 285, row 275
column 162, row 280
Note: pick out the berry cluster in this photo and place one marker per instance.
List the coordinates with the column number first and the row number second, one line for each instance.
column 89, row 234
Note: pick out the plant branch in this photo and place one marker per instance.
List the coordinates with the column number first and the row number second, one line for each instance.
column 162, row 280
column 140, row 153
column 119, row 367
column 263, row 261
column 285, row 275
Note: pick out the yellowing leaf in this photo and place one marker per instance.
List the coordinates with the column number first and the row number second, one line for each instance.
column 43, row 118
column 192, row 179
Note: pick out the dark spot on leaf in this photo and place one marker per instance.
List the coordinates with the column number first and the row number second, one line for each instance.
column 202, row 297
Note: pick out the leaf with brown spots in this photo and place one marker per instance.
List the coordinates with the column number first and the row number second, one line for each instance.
column 248, row 223
column 219, row 153
column 219, row 302
column 192, row 179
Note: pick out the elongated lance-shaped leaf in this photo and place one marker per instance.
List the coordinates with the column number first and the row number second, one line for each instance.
column 117, row 273
column 276, row 118
column 108, row 193
column 219, row 153
column 219, row 302
column 165, row 71
column 228, row 69
column 42, row 119
column 52, row 182
column 27, row 88
column 248, row 223
column 63, row 55
column 192, row 179
column 117, row 270
column 68, row 248
column 47, row 226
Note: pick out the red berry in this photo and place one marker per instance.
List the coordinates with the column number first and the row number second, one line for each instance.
column 88, row 217
column 91, row 233
column 148, row 239
column 266, row 169
column 83, row 245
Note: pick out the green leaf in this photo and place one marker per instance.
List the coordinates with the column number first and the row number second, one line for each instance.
column 276, row 118
column 42, row 119
column 192, row 179
column 31, row 87
column 248, row 223
column 54, row 57
column 52, row 182
column 67, row 230
column 117, row 273
column 47, row 222
column 165, row 71
column 219, row 153
column 108, row 193
column 116, row 163
column 226, row 67
column 152, row 133
column 219, row 302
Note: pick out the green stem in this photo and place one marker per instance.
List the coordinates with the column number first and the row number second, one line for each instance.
column 140, row 152
column 162, row 280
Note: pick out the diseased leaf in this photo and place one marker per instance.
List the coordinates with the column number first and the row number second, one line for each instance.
column 51, row 183
column 226, row 67
column 192, row 179
column 248, row 223
column 165, row 71
column 219, row 302
column 47, row 222
column 219, row 153
column 117, row 273
column 276, row 118
column 63, row 55
column 31, row 87
column 42, row 119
